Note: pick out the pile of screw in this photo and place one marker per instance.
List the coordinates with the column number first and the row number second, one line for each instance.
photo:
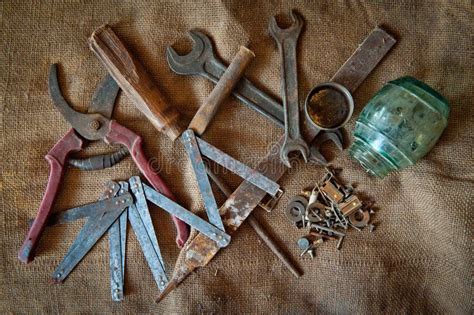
column 325, row 210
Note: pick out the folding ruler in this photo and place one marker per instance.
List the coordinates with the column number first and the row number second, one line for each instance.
column 119, row 203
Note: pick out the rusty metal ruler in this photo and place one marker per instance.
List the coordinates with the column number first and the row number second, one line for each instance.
column 119, row 203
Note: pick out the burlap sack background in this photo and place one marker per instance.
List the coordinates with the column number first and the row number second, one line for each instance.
column 418, row 260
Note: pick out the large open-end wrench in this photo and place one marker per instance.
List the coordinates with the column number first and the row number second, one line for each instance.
column 202, row 61
column 287, row 40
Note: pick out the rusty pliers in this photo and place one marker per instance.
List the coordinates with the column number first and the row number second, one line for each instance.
column 95, row 125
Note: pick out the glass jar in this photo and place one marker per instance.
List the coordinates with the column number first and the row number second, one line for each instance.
column 398, row 126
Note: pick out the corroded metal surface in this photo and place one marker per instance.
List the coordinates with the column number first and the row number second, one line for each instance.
column 202, row 61
column 239, row 168
column 190, row 144
column 287, row 40
column 198, row 252
column 105, row 214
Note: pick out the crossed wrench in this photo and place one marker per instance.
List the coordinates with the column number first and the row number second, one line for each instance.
column 202, row 61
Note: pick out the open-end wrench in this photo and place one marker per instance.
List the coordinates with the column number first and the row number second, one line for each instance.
column 202, row 61
column 287, row 40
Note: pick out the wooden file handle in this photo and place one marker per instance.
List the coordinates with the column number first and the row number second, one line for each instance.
column 133, row 79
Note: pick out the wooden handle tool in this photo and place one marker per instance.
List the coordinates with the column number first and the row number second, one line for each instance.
column 133, row 79
column 222, row 90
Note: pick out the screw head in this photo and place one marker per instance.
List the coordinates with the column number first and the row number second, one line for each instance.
column 94, row 125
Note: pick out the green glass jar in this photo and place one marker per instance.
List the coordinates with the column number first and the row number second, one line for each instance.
column 398, row 126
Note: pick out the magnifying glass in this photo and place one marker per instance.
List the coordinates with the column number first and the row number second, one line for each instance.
column 329, row 106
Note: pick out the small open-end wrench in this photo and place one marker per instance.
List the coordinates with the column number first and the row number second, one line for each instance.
column 287, row 40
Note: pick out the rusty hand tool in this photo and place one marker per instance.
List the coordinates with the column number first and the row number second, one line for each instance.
column 203, row 61
column 287, row 40
column 101, row 215
column 258, row 228
column 133, row 79
column 222, row 90
column 198, row 252
column 91, row 126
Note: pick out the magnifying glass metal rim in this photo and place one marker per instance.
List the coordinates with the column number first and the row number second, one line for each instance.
column 334, row 86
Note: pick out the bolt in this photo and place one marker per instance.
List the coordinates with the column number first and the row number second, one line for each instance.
column 162, row 282
column 95, row 125
column 339, row 243
column 371, row 227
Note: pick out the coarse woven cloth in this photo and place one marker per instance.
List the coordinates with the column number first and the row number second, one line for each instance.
column 419, row 259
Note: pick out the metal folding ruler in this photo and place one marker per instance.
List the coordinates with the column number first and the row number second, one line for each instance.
column 119, row 203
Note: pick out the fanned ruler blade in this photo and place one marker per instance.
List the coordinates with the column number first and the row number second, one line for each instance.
column 239, row 168
column 117, row 242
column 142, row 207
column 105, row 213
column 221, row 238
column 142, row 231
column 191, row 146
column 73, row 214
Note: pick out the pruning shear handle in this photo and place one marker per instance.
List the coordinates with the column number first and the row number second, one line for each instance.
column 118, row 134
column 56, row 158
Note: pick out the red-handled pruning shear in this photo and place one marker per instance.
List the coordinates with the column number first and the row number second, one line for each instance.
column 95, row 125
